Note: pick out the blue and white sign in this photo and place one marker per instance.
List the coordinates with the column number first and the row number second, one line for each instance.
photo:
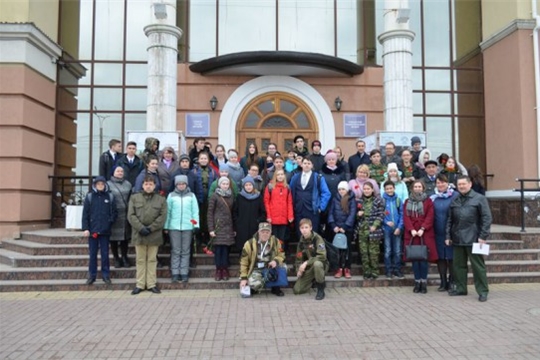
column 354, row 125
column 197, row 125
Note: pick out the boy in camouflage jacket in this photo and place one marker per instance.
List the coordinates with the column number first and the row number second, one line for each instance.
column 311, row 261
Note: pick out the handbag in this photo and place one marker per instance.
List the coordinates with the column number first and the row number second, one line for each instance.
column 416, row 252
column 281, row 280
column 340, row 241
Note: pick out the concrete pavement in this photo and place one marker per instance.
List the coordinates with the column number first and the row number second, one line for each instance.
column 353, row 323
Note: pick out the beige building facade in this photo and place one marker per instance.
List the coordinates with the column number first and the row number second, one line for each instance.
column 64, row 81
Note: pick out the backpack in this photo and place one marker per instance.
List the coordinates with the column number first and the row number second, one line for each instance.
column 111, row 199
column 332, row 255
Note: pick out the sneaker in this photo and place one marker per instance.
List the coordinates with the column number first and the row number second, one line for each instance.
column 175, row 278
column 184, row 278
column 399, row 275
column 338, row 273
column 348, row 273
column 389, row 276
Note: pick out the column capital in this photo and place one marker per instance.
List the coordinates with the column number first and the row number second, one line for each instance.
column 163, row 29
column 392, row 34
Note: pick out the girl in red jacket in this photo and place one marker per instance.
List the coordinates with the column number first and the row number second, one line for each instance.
column 278, row 204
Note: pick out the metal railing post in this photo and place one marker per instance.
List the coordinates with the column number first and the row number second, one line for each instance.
column 522, row 204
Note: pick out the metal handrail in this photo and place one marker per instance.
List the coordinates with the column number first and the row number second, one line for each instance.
column 67, row 190
column 522, row 191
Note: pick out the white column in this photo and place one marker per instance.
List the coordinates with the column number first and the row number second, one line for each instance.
column 163, row 36
column 397, row 64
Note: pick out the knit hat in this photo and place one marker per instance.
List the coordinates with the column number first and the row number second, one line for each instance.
column 222, row 180
column 315, row 143
column 184, row 157
column 415, row 140
column 180, row 179
column 298, row 137
column 265, row 226
column 100, row 179
column 248, row 179
column 223, row 167
column 330, row 155
column 343, row 185
column 392, row 166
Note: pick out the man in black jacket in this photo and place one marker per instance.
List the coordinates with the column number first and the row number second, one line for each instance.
column 469, row 221
column 107, row 160
column 360, row 158
column 131, row 163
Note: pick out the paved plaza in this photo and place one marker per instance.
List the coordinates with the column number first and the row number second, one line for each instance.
column 354, row 323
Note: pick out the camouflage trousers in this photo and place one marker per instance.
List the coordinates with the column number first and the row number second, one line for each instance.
column 369, row 251
column 256, row 281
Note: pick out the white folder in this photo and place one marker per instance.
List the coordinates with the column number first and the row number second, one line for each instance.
column 480, row 249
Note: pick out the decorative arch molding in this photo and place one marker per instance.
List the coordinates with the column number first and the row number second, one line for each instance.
column 241, row 97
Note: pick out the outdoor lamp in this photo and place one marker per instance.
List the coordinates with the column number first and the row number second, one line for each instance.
column 338, row 103
column 213, row 103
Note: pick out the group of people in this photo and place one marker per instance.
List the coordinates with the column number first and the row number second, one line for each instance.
column 257, row 204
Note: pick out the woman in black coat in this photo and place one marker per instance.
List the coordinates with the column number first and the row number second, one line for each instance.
column 333, row 173
column 248, row 212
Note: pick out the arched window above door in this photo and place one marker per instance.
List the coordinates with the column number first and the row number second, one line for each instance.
column 276, row 110
column 275, row 117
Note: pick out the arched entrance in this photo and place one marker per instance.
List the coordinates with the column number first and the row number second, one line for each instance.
column 275, row 117
column 252, row 89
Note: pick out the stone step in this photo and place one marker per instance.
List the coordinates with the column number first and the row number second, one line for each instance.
column 207, row 271
column 205, row 283
column 55, row 236
column 30, row 247
column 36, row 248
column 520, row 254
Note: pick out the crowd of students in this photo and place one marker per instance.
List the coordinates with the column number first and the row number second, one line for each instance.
column 217, row 203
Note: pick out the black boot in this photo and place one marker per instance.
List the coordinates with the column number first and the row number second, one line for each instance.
column 423, row 287
column 450, row 283
column 320, row 291
column 444, row 284
column 416, row 289
column 117, row 262
column 125, row 261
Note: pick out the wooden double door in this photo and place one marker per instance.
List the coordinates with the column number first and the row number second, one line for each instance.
column 275, row 118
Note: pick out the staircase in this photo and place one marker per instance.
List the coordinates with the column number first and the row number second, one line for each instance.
column 57, row 260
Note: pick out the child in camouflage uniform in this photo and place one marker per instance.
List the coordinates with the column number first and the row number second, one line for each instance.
column 370, row 216
column 311, row 261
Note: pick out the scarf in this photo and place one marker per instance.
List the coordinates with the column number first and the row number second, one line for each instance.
column 235, row 166
column 250, row 196
column 223, row 193
column 332, row 167
column 415, row 205
column 444, row 195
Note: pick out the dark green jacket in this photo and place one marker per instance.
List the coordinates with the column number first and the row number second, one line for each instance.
column 147, row 210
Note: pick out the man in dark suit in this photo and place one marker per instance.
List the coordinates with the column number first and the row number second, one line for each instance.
column 360, row 158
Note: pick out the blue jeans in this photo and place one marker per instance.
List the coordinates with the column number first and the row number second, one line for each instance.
column 420, row 270
column 392, row 251
column 101, row 243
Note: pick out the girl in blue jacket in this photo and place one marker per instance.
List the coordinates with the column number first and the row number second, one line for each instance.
column 182, row 219
column 341, row 218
